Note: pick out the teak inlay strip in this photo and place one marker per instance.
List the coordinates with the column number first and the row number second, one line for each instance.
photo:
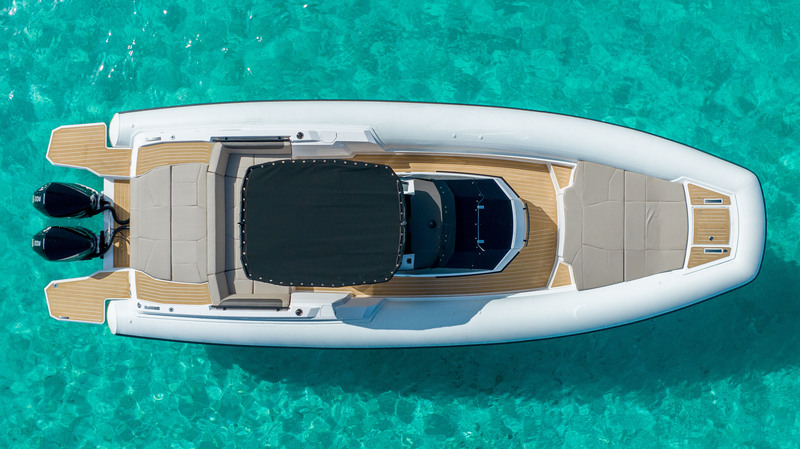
column 122, row 205
column 171, row 153
column 563, row 175
column 166, row 292
column 85, row 299
column 562, row 277
column 84, row 146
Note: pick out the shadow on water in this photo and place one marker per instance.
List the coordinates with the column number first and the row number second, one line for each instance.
column 752, row 329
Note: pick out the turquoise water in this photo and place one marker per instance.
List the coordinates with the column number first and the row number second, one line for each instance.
column 721, row 76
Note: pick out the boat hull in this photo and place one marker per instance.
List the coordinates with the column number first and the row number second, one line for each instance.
column 333, row 321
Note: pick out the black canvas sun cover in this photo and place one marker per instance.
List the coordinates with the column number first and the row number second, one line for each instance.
column 321, row 222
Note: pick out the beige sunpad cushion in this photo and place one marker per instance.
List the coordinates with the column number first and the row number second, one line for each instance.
column 168, row 225
column 622, row 226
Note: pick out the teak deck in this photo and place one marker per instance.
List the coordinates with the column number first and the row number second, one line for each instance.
column 562, row 277
column 712, row 226
column 85, row 299
column 171, row 153
column 166, row 292
column 532, row 267
column 702, row 197
column 122, row 207
column 698, row 255
column 84, row 146
column 535, row 267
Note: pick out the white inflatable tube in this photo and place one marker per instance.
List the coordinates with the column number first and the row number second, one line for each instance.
column 459, row 321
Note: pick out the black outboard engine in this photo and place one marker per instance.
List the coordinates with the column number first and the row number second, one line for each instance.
column 58, row 243
column 65, row 200
column 65, row 244
column 59, row 200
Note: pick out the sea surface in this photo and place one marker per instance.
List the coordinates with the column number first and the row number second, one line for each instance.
column 721, row 76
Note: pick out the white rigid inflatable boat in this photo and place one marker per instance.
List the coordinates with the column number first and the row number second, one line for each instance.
column 350, row 224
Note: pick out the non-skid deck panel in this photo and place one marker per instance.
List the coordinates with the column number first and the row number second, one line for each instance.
column 531, row 268
column 84, row 299
column 171, row 153
column 85, row 146
column 122, row 206
column 166, row 292
column 698, row 256
column 563, row 175
column 562, row 277
column 699, row 195
column 711, row 225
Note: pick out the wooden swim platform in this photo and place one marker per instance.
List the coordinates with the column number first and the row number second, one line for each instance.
column 84, row 299
column 84, row 146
